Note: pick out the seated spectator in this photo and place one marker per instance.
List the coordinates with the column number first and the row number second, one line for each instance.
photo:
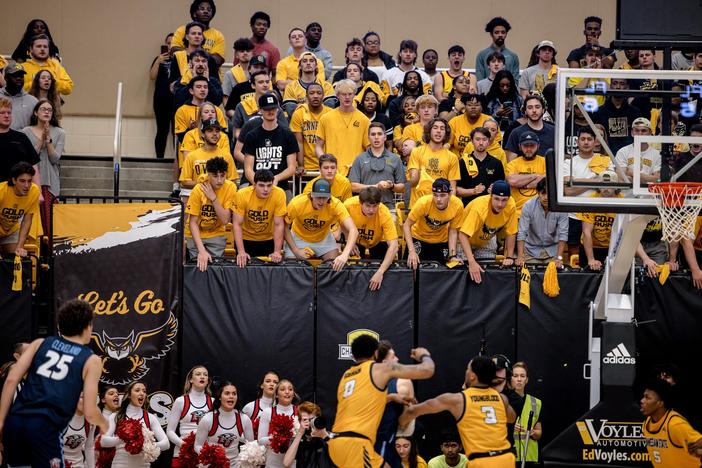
column 39, row 50
column 304, row 123
column 394, row 79
column 406, row 118
column 15, row 147
column 650, row 156
column 270, row 146
column 258, row 222
column 199, row 67
column 19, row 203
column 378, row 167
column 406, row 448
column 504, row 102
column 652, row 250
column 533, row 109
column 343, row 132
column 288, row 69
column 370, row 101
column 248, row 108
column 209, row 212
column 162, row 101
column 484, row 220
column 430, row 58
column 203, row 11
column 498, row 28
column 354, row 53
column 411, row 86
column 463, row 125
column 354, row 71
column 597, row 227
column 592, row 32
column 376, row 231
column 452, row 106
column 245, row 90
column 632, row 60
column 535, row 77
column 308, row 223
column 692, row 255
column 260, row 24
column 296, row 90
column 377, row 61
column 478, row 169
column 313, row 35
column 426, row 107
column 431, row 228
column 647, row 61
column 22, row 102
column 239, row 73
column 693, row 173
column 35, row 27
column 195, row 164
column 432, row 161
column 184, row 63
column 48, row 139
column 195, row 139
column 495, row 63
column 443, row 83
column 340, row 185
column 543, row 234
column 525, row 172
column 451, row 456
column 617, row 116
column 186, row 115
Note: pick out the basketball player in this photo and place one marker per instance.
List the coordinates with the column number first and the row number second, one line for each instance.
column 362, row 394
column 481, row 416
column 58, row 369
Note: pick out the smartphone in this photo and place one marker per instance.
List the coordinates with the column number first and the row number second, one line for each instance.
column 507, row 104
column 164, row 49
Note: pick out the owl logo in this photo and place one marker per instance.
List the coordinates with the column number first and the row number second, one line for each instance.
column 225, row 440
column 74, row 441
column 124, row 359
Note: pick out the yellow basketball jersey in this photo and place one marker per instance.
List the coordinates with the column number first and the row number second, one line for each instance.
column 360, row 402
column 448, row 80
column 483, row 425
column 667, row 439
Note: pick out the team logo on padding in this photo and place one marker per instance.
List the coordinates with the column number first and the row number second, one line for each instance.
column 345, row 348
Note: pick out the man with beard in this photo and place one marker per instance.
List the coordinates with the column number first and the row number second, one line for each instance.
column 181, row 70
column 525, row 172
column 23, row 103
column 195, row 164
column 203, row 11
column 413, row 85
column 296, row 90
column 443, row 83
column 533, row 108
column 498, row 28
column 304, row 123
column 198, row 67
column 39, row 50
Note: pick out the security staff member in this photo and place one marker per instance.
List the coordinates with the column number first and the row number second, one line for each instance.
column 524, row 405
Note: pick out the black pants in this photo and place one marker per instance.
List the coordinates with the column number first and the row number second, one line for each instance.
column 430, row 252
column 259, row 248
column 163, row 109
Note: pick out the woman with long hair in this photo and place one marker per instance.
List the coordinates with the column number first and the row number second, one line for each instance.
column 194, row 139
column 189, row 408
column 370, row 102
column 44, row 87
column 284, row 397
column 406, row 448
column 264, row 398
column 34, row 28
column 504, row 100
column 78, row 440
column 134, row 405
column 226, row 425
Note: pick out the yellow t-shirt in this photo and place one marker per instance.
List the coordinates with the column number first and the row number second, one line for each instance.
column 340, row 187
column 258, row 213
column 431, row 224
column 360, row 403
column 483, row 425
column 421, row 463
column 193, row 140
column 288, row 68
column 13, row 208
column 194, row 166
column 371, row 230
column 314, row 225
column 495, row 150
column 414, row 132
column 523, row 166
column 481, row 224
column 306, row 122
column 460, row 132
column 64, row 83
column 345, row 135
column 188, row 113
column 295, row 92
column 432, row 165
column 448, row 80
column 667, row 440
column 213, row 43
column 602, row 225
column 181, row 58
column 201, row 206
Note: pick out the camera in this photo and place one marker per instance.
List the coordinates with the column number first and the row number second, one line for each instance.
column 320, row 422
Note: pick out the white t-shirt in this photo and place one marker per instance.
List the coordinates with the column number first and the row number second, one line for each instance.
column 650, row 159
column 580, row 170
column 395, row 76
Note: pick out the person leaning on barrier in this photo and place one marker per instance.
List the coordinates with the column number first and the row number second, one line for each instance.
column 19, row 203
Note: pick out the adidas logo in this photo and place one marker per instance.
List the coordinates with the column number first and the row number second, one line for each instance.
column 619, row 355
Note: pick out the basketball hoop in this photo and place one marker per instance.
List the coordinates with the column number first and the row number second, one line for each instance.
column 679, row 204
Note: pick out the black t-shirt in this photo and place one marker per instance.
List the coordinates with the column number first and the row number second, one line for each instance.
column 489, row 170
column 694, row 173
column 239, row 90
column 383, row 119
column 447, row 104
column 270, row 148
column 546, row 136
column 367, row 75
column 15, row 147
column 576, row 55
column 162, row 90
column 617, row 123
column 645, row 103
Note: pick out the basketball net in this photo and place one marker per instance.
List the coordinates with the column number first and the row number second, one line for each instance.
column 679, row 205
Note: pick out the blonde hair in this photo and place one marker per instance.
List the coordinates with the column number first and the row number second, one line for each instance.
column 345, row 86
column 199, row 113
column 308, row 53
column 521, row 364
column 426, row 100
column 5, row 103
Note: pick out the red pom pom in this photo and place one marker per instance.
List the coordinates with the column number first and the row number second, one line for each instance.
column 104, row 455
column 131, row 433
column 281, row 432
column 67, row 464
column 213, row 456
column 187, row 456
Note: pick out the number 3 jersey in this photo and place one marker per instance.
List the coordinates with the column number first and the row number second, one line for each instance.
column 361, row 402
column 483, row 425
column 54, row 382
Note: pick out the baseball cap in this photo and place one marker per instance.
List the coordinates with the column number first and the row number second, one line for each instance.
column 210, row 123
column 609, row 176
column 501, row 188
column 258, row 60
column 13, row 67
column 441, row 186
column 643, row 121
column 321, row 188
column 528, row 138
column 593, row 48
column 268, row 101
column 546, row 43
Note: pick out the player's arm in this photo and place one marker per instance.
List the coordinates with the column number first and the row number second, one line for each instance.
column 91, row 375
column 511, row 415
column 17, row 371
column 452, row 402
column 384, row 372
column 173, row 420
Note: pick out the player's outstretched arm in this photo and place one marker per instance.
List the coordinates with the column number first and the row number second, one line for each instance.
column 384, row 372
column 18, row 370
column 91, row 375
column 452, row 402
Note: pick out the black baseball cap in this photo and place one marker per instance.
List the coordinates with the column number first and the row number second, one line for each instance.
column 528, row 138
column 441, row 186
column 13, row 68
column 210, row 123
column 268, row 101
column 258, row 60
column 501, row 188
column 321, row 188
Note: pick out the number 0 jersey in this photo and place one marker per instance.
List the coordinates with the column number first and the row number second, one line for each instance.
column 54, row 382
column 360, row 402
column 483, row 425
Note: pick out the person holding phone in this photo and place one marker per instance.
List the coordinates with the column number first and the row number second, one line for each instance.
column 163, row 97
column 504, row 100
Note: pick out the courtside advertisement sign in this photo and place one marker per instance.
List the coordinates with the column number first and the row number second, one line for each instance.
column 612, row 442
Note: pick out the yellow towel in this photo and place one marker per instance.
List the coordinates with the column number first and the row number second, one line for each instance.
column 552, row 72
column 599, row 163
column 470, row 165
column 551, row 288
column 524, row 294
column 453, row 264
column 663, row 272
column 17, row 274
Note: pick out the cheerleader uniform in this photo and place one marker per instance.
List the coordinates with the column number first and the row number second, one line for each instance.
column 273, row 460
column 226, row 428
column 186, row 413
column 123, row 459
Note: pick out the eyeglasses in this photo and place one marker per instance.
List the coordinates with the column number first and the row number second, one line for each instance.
column 372, row 42
column 45, row 109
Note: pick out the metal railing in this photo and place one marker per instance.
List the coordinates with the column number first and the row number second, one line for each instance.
column 117, row 143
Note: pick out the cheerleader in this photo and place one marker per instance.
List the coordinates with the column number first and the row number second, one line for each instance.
column 188, row 409
column 134, row 405
column 78, row 440
column 225, row 426
column 264, row 399
column 284, row 396
column 109, row 401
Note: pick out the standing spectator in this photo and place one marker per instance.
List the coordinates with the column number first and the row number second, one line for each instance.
column 592, row 33
column 430, row 58
column 542, row 234
column 463, row 125
column 313, row 34
column 443, row 83
column 340, row 185
column 183, row 63
column 260, row 24
column 525, row 172
column 617, row 117
column 650, row 157
column 245, row 90
column 48, row 139
column 239, row 73
column 343, row 132
column 495, row 63
column 22, row 102
column 163, row 97
column 296, row 90
column 35, row 27
column 304, row 123
column 186, row 115
column 407, row 59
column 39, row 49
column 533, row 108
column 498, row 28
column 597, row 227
column 452, row 106
column 248, row 108
column 536, row 76
column 378, row 61
column 19, row 203
column 288, row 69
column 504, row 103
column 355, row 53
column 44, row 87
column 528, row 409
column 199, row 67
column 203, row 11
column 15, row 147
